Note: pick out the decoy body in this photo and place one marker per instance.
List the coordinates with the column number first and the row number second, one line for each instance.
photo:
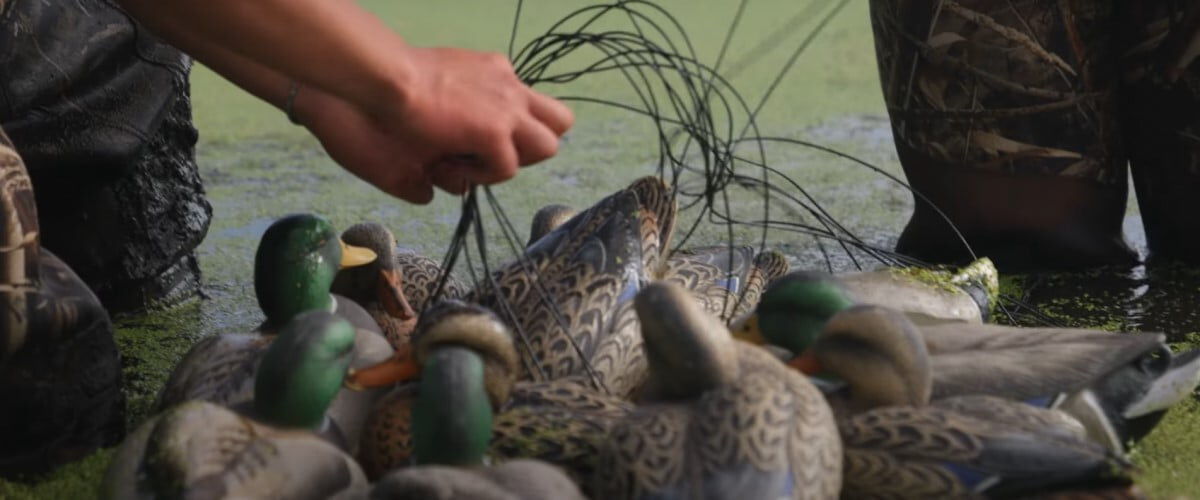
column 396, row 286
column 900, row 444
column 60, row 373
column 569, row 298
column 268, row 448
column 928, row 296
column 1118, row 385
column 727, row 280
column 718, row 418
column 561, row 421
column 452, row 419
column 512, row 480
column 293, row 270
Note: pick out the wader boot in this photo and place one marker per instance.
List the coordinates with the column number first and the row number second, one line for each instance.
column 1004, row 117
column 99, row 110
column 60, row 374
column 1160, row 104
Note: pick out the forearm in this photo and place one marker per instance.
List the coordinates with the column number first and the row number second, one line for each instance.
column 334, row 46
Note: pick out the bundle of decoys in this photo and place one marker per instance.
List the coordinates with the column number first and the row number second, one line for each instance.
column 601, row 364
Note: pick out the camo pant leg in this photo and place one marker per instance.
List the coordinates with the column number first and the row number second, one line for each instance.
column 100, row 111
column 1160, row 103
column 1005, row 118
column 60, row 372
column 18, row 247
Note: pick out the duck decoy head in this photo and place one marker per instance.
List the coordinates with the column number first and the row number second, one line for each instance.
column 295, row 265
column 688, row 350
column 793, row 310
column 380, row 282
column 547, row 219
column 303, row 369
column 446, row 324
column 878, row 353
column 452, row 417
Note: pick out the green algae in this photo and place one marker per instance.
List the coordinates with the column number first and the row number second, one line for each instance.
column 79, row 480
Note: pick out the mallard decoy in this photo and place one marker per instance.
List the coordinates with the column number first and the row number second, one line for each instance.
column 60, row 372
column 580, row 277
column 512, row 480
column 718, row 418
column 396, row 286
column 569, row 297
column 560, row 421
column 929, row 296
column 452, row 418
column 294, row 267
column 270, row 449
column 547, row 219
column 900, row 444
column 926, row 296
column 727, row 279
column 1117, row 385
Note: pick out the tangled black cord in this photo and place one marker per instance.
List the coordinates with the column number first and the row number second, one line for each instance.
column 696, row 113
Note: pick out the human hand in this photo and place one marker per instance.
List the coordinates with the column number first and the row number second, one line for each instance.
column 461, row 117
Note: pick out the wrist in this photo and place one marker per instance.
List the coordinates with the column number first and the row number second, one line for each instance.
column 396, row 86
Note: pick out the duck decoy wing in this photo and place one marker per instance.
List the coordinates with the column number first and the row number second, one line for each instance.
column 288, row 465
column 1027, row 363
column 925, row 303
column 218, row 369
column 201, row 450
column 944, row 452
column 560, row 422
column 422, row 276
column 436, row 482
column 657, row 209
column 768, row 434
column 516, row 480
column 562, row 299
column 533, row 480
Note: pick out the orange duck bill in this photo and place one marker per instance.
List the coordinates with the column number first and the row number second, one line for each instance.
column 806, row 363
column 401, row 367
column 391, row 294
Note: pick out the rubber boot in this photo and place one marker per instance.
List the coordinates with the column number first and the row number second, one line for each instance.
column 1160, row 105
column 1004, row 117
column 101, row 115
column 60, row 373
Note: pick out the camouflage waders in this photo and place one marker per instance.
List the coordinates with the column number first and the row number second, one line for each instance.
column 60, row 374
column 1005, row 116
column 101, row 115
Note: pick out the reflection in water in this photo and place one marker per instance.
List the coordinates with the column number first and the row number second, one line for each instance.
column 1156, row 297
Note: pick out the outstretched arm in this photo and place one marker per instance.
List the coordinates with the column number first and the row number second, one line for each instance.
column 393, row 114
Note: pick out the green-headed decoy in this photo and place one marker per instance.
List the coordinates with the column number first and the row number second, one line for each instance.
column 900, row 443
column 296, row 262
column 281, row 444
column 452, row 422
column 561, row 421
